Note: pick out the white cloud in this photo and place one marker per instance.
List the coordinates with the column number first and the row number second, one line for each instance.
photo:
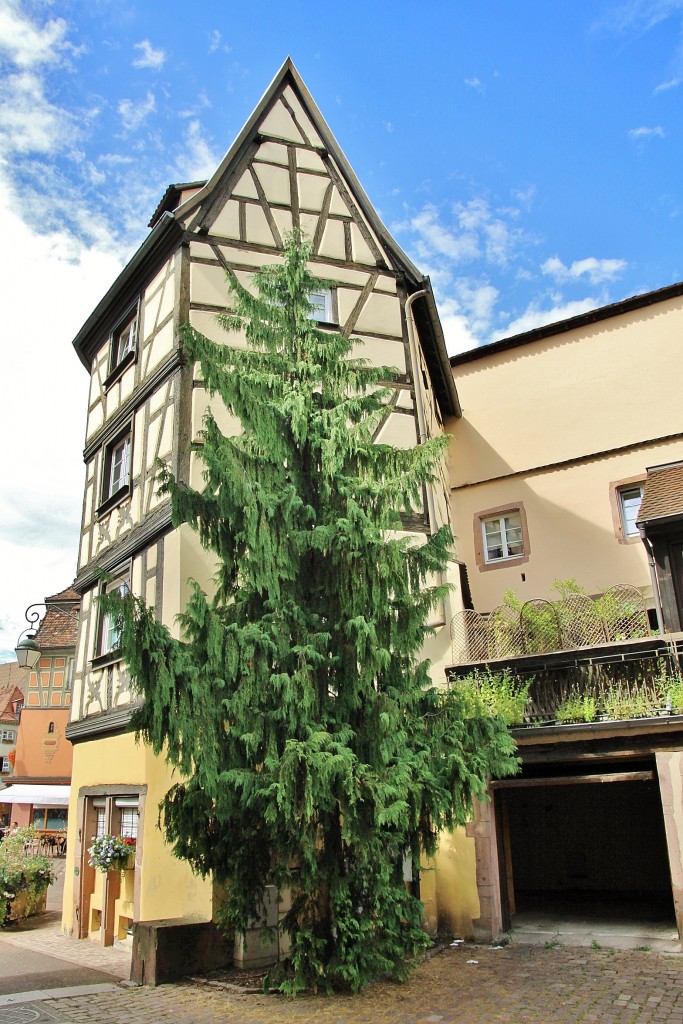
column 27, row 44
column 647, row 133
column 149, row 57
column 133, row 114
column 474, row 83
column 29, row 123
column 670, row 84
column 197, row 159
column 41, row 415
column 435, row 239
column 534, row 316
column 594, row 270
column 216, row 42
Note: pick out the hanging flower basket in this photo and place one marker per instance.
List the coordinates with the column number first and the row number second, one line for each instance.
column 111, row 853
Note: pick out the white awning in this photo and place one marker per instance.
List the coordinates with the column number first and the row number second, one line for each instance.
column 39, row 796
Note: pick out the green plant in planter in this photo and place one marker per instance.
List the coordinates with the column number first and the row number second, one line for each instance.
column 577, row 707
column 619, row 703
column 497, row 693
column 670, row 689
column 23, row 880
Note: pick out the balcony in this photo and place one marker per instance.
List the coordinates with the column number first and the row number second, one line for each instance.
column 585, row 660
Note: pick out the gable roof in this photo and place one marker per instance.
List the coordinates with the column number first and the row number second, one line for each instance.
column 663, row 494
column 59, row 626
column 12, row 677
column 170, row 227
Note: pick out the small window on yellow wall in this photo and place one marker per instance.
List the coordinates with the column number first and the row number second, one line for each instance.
column 501, row 537
column 625, row 497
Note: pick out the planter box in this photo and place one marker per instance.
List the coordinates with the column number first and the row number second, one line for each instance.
column 25, row 904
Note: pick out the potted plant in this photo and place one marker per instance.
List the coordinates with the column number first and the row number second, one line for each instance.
column 111, row 853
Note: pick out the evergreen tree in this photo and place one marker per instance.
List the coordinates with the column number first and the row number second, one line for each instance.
column 315, row 753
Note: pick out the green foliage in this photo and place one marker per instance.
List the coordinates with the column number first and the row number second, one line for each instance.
column 619, row 701
column 669, row 686
column 20, row 873
column 315, row 752
column 496, row 693
column 577, row 707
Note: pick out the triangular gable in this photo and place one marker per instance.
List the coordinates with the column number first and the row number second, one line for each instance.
column 285, row 170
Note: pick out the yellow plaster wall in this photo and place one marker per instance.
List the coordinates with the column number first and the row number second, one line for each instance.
column 168, row 887
column 583, row 391
column 457, row 899
column 571, row 529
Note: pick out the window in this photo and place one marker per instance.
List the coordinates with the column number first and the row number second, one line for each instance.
column 129, row 822
column 122, row 347
column 625, row 497
column 5, row 765
column 629, row 504
column 100, row 826
column 322, row 306
column 110, row 626
column 8, row 734
column 51, row 728
column 501, row 537
column 116, row 471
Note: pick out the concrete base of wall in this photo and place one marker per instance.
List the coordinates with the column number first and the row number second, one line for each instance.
column 164, row 951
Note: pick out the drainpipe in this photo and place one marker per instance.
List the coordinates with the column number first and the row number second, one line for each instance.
column 653, row 576
column 422, row 428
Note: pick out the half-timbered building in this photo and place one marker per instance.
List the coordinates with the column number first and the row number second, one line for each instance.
column 284, row 171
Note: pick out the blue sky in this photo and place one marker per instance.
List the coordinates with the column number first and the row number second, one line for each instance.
column 526, row 155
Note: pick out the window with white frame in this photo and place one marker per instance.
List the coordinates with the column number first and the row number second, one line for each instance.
column 110, row 625
column 123, row 341
column 629, row 505
column 9, row 735
column 321, row 301
column 100, row 826
column 116, row 470
column 129, row 822
column 5, row 765
column 502, row 537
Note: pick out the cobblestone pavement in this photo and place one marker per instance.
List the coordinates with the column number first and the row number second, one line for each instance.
column 515, row 985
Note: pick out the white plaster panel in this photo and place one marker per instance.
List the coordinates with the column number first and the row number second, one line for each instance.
column 381, row 313
column 227, row 223
column 273, row 151
column 234, row 255
column 258, row 229
column 245, row 187
column 359, row 247
column 228, row 424
column 208, row 284
column 386, row 284
column 95, row 419
column 332, row 242
column 161, row 346
column 274, row 181
column 399, row 431
column 207, row 324
column 340, row 275
column 312, row 188
column 337, row 204
column 157, row 308
column 302, row 117
column 84, row 552
column 279, row 124
column 283, row 219
column 309, row 224
column 381, row 352
column 159, row 278
column 307, row 160
column 405, row 399
column 152, row 557
column 126, row 384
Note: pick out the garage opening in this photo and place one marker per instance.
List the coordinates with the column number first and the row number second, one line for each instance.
column 587, row 854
